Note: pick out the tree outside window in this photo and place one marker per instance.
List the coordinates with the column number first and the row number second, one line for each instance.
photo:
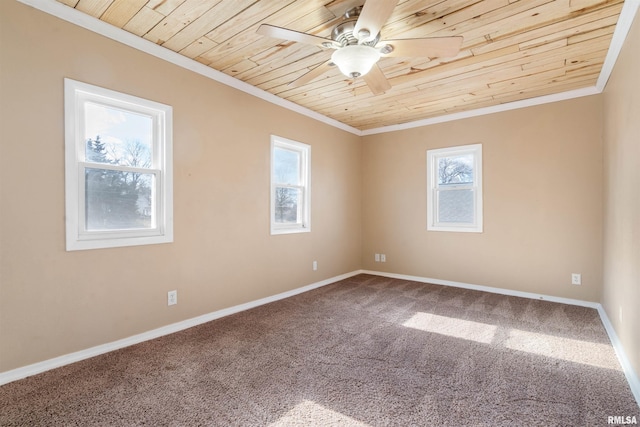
column 454, row 180
column 118, row 182
column 290, row 179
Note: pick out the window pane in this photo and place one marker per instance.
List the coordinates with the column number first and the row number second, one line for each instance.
column 288, row 202
column 117, row 137
column 455, row 169
column 117, row 200
column 456, row 206
column 286, row 166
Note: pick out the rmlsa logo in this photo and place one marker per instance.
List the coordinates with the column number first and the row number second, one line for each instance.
column 621, row 420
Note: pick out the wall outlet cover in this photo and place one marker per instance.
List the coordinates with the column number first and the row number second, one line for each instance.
column 172, row 297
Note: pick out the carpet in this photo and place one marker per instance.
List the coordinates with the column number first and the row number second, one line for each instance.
column 365, row 351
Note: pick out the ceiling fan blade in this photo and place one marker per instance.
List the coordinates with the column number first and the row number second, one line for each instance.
column 431, row 47
column 376, row 80
column 373, row 16
column 286, row 34
column 311, row 75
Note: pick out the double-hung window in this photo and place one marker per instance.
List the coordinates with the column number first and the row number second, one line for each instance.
column 290, row 186
column 118, row 179
column 454, row 183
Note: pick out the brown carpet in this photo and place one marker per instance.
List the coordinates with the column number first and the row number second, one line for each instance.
column 364, row 351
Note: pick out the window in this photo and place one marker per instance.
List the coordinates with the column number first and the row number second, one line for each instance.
column 454, row 182
column 118, row 183
column 290, row 186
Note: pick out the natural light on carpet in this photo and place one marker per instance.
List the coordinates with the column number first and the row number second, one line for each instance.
column 571, row 350
column 457, row 328
column 585, row 352
column 310, row 413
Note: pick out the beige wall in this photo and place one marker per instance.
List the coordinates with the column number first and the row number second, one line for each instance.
column 543, row 188
column 54, row 302
column 542, row 201
column 621, row 295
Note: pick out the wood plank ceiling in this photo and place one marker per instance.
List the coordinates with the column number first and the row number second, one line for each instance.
column 512, row 50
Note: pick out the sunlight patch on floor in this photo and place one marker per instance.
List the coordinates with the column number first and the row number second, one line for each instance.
column 571, row 350
column 450, row 326
column 309, row 413
column 584, row 352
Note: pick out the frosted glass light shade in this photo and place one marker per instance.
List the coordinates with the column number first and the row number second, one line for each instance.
column 355, row 60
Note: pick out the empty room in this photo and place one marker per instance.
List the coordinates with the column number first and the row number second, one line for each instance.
column 319, row 212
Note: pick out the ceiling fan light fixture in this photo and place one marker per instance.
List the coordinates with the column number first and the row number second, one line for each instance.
column 355, row 60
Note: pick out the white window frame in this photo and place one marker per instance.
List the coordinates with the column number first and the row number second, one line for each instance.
column 304, row 184
column 433, row 189
column 77, row 94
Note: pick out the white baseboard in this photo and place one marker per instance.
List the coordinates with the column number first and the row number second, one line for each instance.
column 630, row 374
column 486, row 289
column 37, row 368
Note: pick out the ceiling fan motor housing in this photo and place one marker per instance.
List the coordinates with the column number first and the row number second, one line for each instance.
column 343, row 32
column 355, row 43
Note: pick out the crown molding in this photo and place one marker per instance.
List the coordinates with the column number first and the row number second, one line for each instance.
column 95, row 25
column 625, row 20
column 69, row 14
column 486, row 110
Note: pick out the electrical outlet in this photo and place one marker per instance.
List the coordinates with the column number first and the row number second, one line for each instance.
column 383, row 258
column 172, row 297
column 377, row 257
column 576, row 278
column 315, row 265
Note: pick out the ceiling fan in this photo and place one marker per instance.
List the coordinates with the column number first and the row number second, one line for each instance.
column 358, row 45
